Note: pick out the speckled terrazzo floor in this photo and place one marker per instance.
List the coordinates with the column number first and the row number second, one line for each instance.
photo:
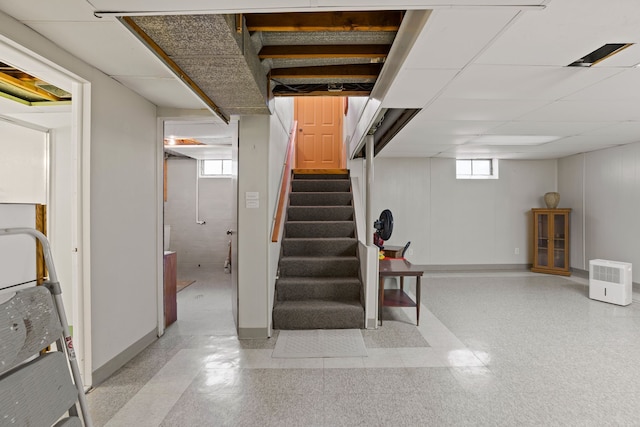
column 494, row 349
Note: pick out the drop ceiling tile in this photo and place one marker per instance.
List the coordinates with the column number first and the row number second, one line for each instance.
column 621, row 86
column 547, row 128
column 200, row 5
column 167, row 92
column 106, row 45
column 413, row 88
column 477, row 109
column 585, row 111
column 564, row 32
column 522, row 82
column 453, row 37
column 577, row 144
column 277, row 5
column 59, row 10
column 198, row 129
column 420, row 126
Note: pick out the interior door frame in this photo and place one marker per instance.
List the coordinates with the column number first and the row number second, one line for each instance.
column 80, row 147
column 160, row 171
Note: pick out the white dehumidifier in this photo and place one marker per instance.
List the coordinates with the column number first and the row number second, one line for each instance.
column 610, row 281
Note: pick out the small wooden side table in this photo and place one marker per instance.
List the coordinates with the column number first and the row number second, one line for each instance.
column 398, row 297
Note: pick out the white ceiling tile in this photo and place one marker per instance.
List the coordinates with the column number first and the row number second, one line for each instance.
column 521, row 82
column 452, row 37
column 580, row 111
column 200, row 152
column 564, row 32
column 212, row 128
column 618, row 87
column 163, row 92
column 421, row 126
column 546, row 128
column 197, row 5
column 577, row 144
column 288, row 5
column 479, row 109
column 106, row 45
column 59, row 10
column 413, row 88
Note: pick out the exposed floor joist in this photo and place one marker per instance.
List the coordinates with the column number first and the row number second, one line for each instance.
column 325, row 51
column 325, row 21
column 361, row 71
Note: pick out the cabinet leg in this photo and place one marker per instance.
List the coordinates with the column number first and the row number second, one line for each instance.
column 417, row 300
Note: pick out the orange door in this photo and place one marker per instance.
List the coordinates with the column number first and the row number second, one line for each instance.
column 319, row 143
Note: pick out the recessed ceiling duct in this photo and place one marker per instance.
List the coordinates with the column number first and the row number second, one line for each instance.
column 600, row 54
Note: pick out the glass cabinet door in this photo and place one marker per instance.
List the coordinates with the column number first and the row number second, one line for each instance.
column 559, row 232
column 543, row 239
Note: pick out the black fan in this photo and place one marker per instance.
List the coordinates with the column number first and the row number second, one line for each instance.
column 384, row 227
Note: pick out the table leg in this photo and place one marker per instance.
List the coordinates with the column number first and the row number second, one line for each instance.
column 402, row 283
column 417, row 300
column 380, row 297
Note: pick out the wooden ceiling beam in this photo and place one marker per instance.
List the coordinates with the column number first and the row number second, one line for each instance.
column 27, row 86
column 325, row 21
column 181, row 141
column 364, row 71
column 325, row 51
column 325, row 93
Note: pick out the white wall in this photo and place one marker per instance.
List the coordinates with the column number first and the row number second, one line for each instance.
column 254, row 226
column 123, row 214
column 195, row 244
column 571, row 189
column 461, row 222
column 24, row 159
column 60, row 213
column 123, row 218
column 611, row 180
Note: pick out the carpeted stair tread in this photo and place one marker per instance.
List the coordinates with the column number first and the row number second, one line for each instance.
column 320, row 185
column 324, row 288
column 319, row 229
column 332, row 266
column 318, row 314
column 312, row 176
column 320, row 198
column 320, row 213
column 319, row 246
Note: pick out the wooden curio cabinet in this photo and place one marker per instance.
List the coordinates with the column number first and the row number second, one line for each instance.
column 551, row 241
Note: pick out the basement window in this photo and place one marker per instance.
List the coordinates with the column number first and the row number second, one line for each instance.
column 215, row 168
column 476, row 168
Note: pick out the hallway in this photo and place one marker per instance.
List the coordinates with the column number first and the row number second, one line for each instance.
column 492, row 349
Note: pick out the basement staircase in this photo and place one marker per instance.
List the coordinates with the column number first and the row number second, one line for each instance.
column 319, row 284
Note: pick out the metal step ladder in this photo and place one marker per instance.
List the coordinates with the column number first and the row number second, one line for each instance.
column 36, row 387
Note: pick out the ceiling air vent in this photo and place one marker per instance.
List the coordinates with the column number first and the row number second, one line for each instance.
column 600, row 54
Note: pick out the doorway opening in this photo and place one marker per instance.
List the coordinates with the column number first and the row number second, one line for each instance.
column 64, row 119
column 198, row 211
